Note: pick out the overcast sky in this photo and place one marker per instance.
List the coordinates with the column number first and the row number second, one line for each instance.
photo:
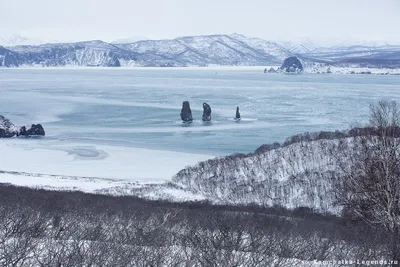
column 319, row 20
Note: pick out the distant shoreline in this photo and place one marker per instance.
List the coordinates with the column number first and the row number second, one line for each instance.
column 312, row 70
column 148, row 68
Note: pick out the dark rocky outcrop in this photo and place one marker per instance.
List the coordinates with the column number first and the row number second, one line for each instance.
column 35, row 129
column 206, row 112
column 292, row 65
column 237, row 117
column 8, row 129
column 186, row 112
column 272, row 70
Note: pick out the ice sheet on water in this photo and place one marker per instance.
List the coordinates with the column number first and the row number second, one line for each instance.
column 102, row 122
column 42, row 156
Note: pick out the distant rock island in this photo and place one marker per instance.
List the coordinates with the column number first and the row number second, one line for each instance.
column 8, row 129
column 292, row 65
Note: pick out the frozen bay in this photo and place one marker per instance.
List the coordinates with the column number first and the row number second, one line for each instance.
column 124, row 123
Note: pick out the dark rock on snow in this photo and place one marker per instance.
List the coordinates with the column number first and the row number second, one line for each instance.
column 186, row 113
column 8, row 129
column 206, row 112
column 292, row 65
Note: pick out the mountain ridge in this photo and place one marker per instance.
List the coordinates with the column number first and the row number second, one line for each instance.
column 201, row 51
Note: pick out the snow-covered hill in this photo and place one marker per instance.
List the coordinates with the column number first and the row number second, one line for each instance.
column 90, row 53
column 299, row 175
column 350, row 53
column 183, row 51
column 207, row 50
column 357, row 55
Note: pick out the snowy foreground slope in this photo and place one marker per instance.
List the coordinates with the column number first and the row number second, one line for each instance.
column 298, row 175
column 301, row 174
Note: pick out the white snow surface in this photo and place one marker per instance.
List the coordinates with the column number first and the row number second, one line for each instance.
column 320, row 68
column 36, row 163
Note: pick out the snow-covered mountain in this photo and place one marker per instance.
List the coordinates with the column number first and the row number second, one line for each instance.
column 208, row 50
column 90, row 53
column 353, row 51
column 183, row 51
column 360, row 55
column 350, row 53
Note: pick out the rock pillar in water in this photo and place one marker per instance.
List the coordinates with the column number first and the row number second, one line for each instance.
column 186, row 113
column 237, row 114
column 206, row 112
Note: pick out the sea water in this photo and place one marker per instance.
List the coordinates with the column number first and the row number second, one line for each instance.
column 140, row 107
